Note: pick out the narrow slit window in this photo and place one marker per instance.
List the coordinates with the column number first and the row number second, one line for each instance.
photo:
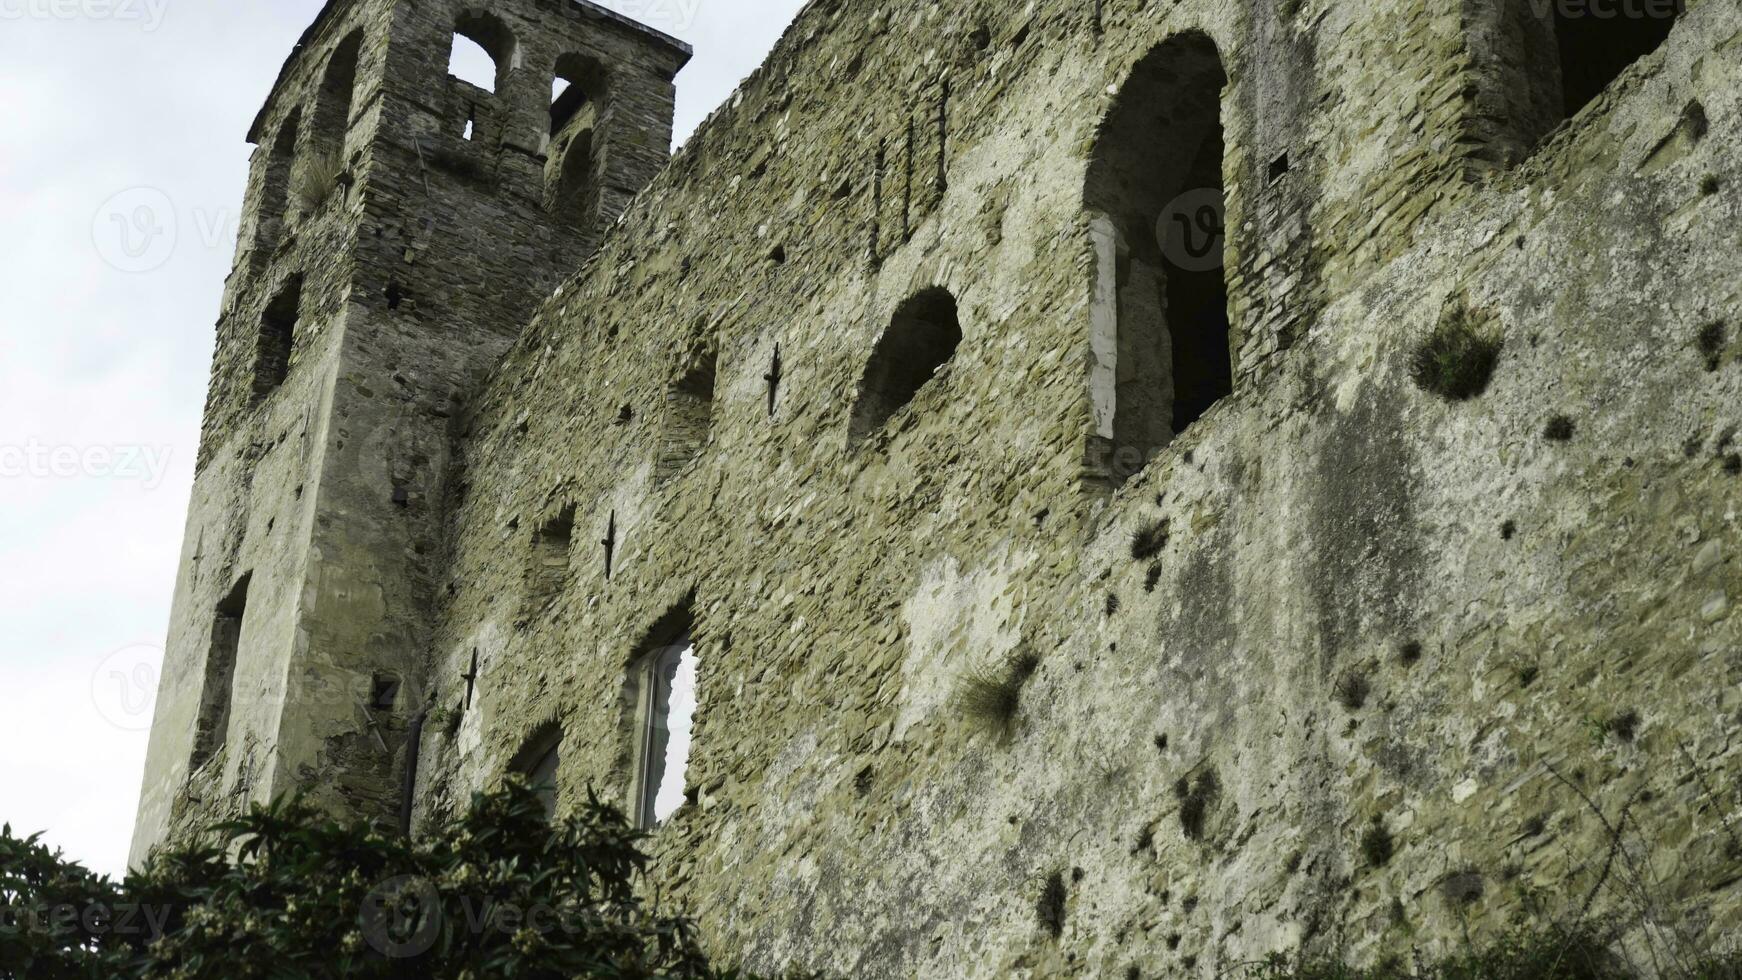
column 668, row 689
column 212, row 728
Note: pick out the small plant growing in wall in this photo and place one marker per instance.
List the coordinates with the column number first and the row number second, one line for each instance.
column 1376, row 844
column 319, row 176
column 990, row 700
column 1150, row 540
column 1353, row 689
column 1050, row 908
column 1559, row 428
column 1196, row 797
column 1456, row 359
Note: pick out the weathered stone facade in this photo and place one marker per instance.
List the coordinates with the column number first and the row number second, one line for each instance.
column 1334, row 602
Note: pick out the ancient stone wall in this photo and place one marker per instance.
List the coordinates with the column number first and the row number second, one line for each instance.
column 1357, row 605
column 388, row 258
column 1340, row 664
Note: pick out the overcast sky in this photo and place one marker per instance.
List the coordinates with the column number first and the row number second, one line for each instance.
column 106, row 339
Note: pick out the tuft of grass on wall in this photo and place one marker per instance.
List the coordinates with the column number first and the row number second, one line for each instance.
column 1051, row 907
column 1352, row 690
column 1559, row 429
column 1196, row 796
column 1456, row 360
column 1376, row 844
column 317, row 178
column 991, row 700
column 1150, row 540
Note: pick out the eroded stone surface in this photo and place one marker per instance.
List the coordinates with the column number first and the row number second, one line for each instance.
column 1372, row 603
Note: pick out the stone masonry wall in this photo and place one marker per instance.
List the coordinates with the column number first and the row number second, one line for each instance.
column 1336, row 607
column 1371, row 606
column 418, row 267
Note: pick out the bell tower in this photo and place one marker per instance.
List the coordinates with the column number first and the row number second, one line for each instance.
column 400, row 227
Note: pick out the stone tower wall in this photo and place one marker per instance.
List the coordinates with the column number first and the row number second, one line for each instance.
column 418, row 266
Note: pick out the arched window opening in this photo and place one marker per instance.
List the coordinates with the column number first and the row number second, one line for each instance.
column 574, row 194
column 212, row 727
column 274, row 199
column 1597, row 42
column 540, row 764
column 483, row 51
column 277, row 339
column 1160, row 332
column 333, row 103
column 689, row 412
column 920, row 341
column 571, row 173
column 666, row 685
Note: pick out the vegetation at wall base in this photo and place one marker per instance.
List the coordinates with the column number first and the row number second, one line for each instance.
column 285, row 893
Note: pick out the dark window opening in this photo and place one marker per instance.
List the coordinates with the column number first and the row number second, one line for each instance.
column 274, row 203
column 1598, row 41
column 551, row 549
column 212, row 727
column 1160, row 331
column 566, row 102
column 1197, row 307
column 571, row 170
column 277, row 339
column 384, row 692
column 920, row 341
column 332, row 116
column 1279, row 168
column 689, row 412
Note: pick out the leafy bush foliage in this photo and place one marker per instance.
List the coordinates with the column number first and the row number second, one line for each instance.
column 284, row 892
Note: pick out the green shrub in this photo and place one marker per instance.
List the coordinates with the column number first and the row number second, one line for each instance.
column 284, row 892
